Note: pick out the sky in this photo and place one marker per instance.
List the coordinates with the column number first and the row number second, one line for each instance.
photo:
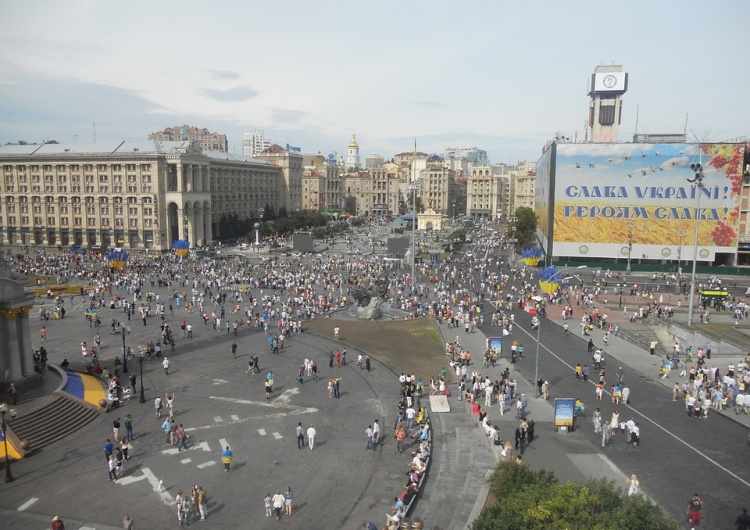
column 497, row 75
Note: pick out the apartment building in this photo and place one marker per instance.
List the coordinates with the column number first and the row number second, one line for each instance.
column 208, row 141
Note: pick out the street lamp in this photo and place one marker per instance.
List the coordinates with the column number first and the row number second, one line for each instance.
column 124, row 351
column 3, row 410
column 539, row 326
column 698, row 182
column 630, row 244
column 454, row 210
column 681, row 234
column 141, row 355
column 413, row 188
column 185, row 227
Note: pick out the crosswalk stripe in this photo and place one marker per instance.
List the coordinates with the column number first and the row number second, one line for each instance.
column 205, row 464
column 28, row 503
column 217, row 419
column 222, row 443
column 235, row 417
column 185, row 461
column 262, row 432
column 277, row 436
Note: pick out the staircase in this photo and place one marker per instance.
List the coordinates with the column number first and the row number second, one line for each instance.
column 52, row 422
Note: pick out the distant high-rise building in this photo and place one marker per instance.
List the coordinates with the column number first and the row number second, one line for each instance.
column 474, row 156
column 208, row 141
column 373, row 160
column 254, row 143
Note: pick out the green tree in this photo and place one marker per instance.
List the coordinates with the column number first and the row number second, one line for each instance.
column 524, row 226
column 535, row 500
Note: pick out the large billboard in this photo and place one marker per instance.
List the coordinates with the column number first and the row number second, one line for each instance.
column 606, row 196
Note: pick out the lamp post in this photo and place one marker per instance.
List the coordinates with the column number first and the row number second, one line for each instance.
column 3, row 410
column 539, row 327
column 141, row 355
column 124, row 351
column 681, row 234
column 630, row 244
column 185, row 228
column 698, row 182
column 413, row 188
column 454, row 210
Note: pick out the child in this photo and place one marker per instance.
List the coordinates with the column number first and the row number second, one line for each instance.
column 267, row 505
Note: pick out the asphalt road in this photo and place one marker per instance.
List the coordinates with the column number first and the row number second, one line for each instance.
column 677, row 456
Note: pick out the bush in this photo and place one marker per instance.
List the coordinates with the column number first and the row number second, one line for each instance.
column 531, row 500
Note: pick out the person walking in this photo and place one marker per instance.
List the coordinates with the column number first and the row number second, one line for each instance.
column 234, row 349
column 311, row 433
column 170, row 404
column 288, row 500
column 634, row 487
column 278, row 504
column 127, row 522
column 165, row 363
column 129, row 428
column 268, row 504
column 112, row 467
column 694, row 511
column 375, row 433
column 158, row 406
column 368, row 434
column 743, row 520
column 400, row 435
column 181, row 436
column 202, row 503
column 57, row 523
column 300, row 436
column 226, row 458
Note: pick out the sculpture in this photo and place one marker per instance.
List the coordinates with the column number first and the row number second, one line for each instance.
column 370, row 298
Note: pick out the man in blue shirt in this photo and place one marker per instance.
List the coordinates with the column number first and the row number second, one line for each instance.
column 108, row 448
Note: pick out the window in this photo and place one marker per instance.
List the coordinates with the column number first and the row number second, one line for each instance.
column 62, row 179
column 133, row 211
column 116, row 167
column 91, row 221
column 74, row 167
column 146, row 189
column 61, row 167
column 132, row 200
column 132, row 178
column 145, row 167
column 103, row 178
column 133, row 223
column 103, row 189
column 34, row 168
column 50, row 221
column 63, row 221
column 133, row 189
column 77, row 221
column 131, row 167
column 101, row 167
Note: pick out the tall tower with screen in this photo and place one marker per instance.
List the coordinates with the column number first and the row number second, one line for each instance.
column 607, row 85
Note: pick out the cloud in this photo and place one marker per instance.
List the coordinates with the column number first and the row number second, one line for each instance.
column 239, row 93
column 223, row 74
column 286, row 116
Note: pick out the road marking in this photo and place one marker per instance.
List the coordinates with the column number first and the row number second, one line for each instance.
column 130, row 479
column 166, row 498
column 87, row 528
column 277, row 436
column 185, row 461
column 223, row 443
column 220, row 381
column 642, row 415
column 217, row 419
column 205, row 464
column 285, row 396
column 262, row 432
column 235, row 417
column 28, row 503
column 202, row 446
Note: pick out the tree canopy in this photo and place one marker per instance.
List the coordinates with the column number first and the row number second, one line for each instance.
column 535, row 500
column 524, row 226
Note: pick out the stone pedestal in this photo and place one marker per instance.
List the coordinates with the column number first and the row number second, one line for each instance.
column 16, row 349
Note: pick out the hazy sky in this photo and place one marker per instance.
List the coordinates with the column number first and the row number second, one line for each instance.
column 501, row 76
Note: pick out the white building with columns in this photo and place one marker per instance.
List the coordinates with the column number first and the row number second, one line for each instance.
column 140, row 195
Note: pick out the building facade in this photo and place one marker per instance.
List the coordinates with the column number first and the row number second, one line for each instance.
column 485, row 194
column 208, row 141
column 352, row 154
column 291, row 170
column 141, row 195
column 254, row 143
column 321, row 188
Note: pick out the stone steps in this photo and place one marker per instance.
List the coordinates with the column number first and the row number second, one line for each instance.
column 52, row 422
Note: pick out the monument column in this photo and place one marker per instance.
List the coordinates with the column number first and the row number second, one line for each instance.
column 26, row 348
